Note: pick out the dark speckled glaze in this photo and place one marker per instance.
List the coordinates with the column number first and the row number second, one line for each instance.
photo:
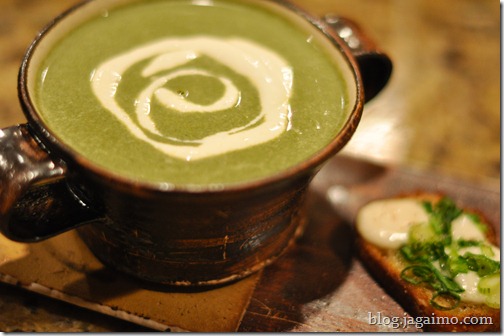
column 177, row 237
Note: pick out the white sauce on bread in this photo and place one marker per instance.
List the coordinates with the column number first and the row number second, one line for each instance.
column 385, row 223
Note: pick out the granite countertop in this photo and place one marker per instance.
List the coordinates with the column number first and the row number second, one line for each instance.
column 440, row 111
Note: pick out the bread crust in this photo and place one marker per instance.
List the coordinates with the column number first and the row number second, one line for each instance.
column 386, row 267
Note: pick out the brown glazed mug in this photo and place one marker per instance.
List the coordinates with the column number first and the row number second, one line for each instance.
column 176, row 236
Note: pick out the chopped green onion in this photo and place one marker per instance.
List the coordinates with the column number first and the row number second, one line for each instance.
column 487, row 251
column 423, row 251
column 481, row 264
column 493, row 300
column 421, row 232
column 448, row 283
column 431, row 244
column 416, row 274
column 467, row 243
column 442, row 214
column 489, row 284
column 445, row 300
column 458, row 265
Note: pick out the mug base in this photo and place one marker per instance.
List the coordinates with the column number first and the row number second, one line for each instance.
column 157, row 271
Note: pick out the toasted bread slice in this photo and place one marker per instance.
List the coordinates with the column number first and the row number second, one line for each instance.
column 386, row 265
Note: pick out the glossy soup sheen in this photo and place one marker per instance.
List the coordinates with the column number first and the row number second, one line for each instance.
column 192, row 94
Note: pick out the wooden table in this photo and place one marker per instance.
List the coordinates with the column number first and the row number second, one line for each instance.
column 436, row 126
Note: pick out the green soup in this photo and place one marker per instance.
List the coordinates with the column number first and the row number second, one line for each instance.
column 193, row 92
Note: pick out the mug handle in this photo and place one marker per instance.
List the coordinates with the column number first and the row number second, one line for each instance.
column 374, row 65
column 36, row 202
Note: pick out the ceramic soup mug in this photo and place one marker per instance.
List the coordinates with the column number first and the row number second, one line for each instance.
column 179, row 137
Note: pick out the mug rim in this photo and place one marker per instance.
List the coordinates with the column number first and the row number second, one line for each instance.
column 53, row 143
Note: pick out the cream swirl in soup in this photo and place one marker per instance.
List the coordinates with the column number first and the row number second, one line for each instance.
column 187, row 93
column 268, row 72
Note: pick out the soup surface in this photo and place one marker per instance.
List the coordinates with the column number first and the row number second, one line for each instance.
column 193, row 92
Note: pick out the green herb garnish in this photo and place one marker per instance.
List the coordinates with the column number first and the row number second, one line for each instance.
column 441, row 216
column 481, row 264
column 432, row 244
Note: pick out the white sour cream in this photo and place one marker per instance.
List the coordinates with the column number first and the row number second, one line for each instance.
column 386, row 223
column 469, row 282
column 463, row 227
